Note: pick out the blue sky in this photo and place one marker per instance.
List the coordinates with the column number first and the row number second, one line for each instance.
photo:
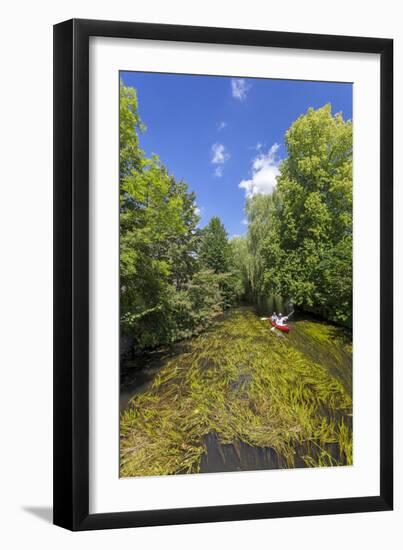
column 225, row 136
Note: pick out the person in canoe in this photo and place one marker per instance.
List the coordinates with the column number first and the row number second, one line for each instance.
column 280, row 322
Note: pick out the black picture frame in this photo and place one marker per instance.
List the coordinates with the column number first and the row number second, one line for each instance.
column 71, row 274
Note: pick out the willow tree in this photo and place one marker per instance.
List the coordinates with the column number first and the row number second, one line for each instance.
column 262, row 233
column 241, row 267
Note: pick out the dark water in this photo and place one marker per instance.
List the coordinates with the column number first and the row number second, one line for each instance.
column 136, row 381
column 240, row 456
column 137, row 373
column 268, row 305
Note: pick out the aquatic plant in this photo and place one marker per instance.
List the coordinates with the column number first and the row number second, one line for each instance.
column 242, row 382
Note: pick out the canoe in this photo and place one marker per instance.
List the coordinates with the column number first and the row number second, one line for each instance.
column 284, row 328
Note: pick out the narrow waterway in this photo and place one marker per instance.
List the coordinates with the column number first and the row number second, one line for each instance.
column 240, row 397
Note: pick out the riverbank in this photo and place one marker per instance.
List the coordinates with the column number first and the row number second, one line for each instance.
column 241, row 385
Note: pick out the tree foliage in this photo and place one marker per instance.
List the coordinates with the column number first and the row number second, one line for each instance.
column 216, row 253
column 215, row 249
column 174, row 278
column 300, row 236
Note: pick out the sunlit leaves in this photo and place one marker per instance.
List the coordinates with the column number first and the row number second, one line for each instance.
column 302, row 247
column 172, row 285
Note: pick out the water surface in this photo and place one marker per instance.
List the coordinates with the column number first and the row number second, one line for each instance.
column 240, row 397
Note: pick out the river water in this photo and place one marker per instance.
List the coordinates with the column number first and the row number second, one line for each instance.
column 306, row 336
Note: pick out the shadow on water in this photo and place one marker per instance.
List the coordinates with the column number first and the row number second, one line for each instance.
column 138, row 372
column 237, row 456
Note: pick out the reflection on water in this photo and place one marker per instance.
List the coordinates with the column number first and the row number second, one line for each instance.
column 274, row 303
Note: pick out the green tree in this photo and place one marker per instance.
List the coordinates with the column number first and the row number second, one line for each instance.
column 165, row 294
column 262, row 233
column 214, row 250
column 215, row 253
column 299, row 240
column 130, row 124
column 310, row 247
column 241, row 268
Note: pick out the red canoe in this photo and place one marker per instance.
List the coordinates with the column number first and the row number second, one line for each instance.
column 284, row 328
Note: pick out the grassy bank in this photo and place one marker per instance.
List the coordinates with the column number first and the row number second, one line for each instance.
column 245, row 383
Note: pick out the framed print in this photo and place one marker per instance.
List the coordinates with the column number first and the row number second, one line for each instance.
column 223, row 299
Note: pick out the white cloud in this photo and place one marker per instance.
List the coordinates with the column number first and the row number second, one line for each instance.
column 221, row 125
column 198, row 210
column 257, row 147
column 239, row 88
column 219, row 154
column 244, row 221
column 264, row 174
